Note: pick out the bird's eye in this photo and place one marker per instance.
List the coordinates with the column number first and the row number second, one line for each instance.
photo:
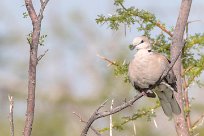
column 142, row 41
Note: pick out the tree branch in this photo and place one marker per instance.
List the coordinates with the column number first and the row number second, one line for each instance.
column 200, row 119
column 36, row 22
column 158, row 24
column 107, row 60
column 42, row 55
column 31, row 11
column 92, row 128
column 96, row 115
column 43, row 5
column 177, row 45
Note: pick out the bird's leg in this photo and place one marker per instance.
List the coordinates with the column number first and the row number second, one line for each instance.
column 144, row 93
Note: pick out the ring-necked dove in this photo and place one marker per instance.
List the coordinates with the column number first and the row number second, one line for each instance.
column 146, row 69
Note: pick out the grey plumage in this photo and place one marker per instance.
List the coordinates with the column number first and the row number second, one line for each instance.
column 146, row 69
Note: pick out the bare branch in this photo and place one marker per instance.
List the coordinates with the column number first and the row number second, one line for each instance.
column 163, row 28
column 196, row 123
column 107, row 60
column 43, row 5
column 11, row 115
column 170, row 66
column 111, row 119
column 34, row 41
column 41, row 56
column 31, row 11
column 92, row 128
column 96, row 115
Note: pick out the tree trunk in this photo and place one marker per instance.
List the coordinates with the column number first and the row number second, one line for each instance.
column 177, row 45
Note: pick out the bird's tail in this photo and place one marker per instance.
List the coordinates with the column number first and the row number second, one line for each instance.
column 167, row 100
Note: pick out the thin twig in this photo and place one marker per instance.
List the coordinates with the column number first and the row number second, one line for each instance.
column 107, row 60
column 92, row 128
column 185, row 87
column 193, row 21
column 163, row 28
column 42, row 55
column 43, row 5
column 134, row 128
column 111, row 119
column 170, row 66
column 187, row 103
column 96, row 115
column 11, row 115
column 200, row 119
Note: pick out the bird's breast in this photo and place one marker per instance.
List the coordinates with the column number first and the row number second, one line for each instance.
column 145, row 69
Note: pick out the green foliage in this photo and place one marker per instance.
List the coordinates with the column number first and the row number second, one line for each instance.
column 129, row 16
column 192, row 55
column 121, row 69
column 29, row 38
column 147, row 112
column 25, row 14
column 41, row 39
column 192, row 58
column 161, row 44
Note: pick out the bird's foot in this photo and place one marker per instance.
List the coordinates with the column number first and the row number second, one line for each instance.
column 143, row 93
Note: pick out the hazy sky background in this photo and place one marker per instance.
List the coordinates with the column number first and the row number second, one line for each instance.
column 66, row 13
column 74, row 40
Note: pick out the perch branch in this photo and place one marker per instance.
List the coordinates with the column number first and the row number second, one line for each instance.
column 96, row 115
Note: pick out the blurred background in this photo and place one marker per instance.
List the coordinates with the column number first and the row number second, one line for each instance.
column 70, row 77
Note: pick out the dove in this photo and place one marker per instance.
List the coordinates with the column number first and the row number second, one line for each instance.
column 146, row 69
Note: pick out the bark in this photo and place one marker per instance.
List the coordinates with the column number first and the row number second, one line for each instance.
column 33, row 61
column 177, row 45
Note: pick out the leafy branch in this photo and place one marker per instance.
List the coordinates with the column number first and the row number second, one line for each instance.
column 129, row 16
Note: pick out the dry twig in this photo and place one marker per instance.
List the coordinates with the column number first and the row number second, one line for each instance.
column 42, row 55
column 196, row 123
column 111, row 119
column 107, row 60
column 11, row 115
column 92, row 128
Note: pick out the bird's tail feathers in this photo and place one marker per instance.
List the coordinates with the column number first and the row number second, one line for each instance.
column 167, row 100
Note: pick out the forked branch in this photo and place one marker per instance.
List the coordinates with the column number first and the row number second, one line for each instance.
column 33, row 61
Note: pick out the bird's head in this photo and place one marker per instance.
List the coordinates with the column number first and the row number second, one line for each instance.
column 141, row 42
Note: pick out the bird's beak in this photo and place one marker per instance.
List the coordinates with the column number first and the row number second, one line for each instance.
column 132, row 47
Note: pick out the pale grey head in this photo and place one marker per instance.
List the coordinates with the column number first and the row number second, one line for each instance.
column 141, row 42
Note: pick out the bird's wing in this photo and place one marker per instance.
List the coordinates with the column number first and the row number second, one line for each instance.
column 170, row 78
